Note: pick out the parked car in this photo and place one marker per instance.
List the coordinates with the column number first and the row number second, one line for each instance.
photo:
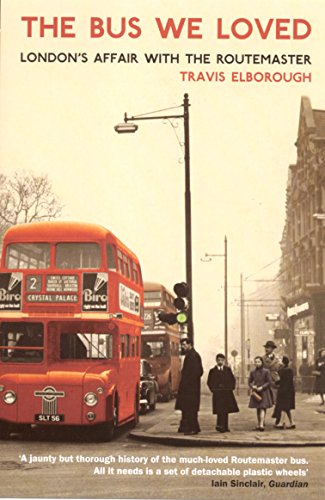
column 148, row 387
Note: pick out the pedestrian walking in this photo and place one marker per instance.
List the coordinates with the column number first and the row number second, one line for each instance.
column 261, row 397
column 271, row 361
column 319, row 372
column 221, row 382
column 285, row 400
column 188, row 396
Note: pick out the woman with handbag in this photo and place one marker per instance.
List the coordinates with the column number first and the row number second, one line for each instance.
column 261, row 398
column 319, row 372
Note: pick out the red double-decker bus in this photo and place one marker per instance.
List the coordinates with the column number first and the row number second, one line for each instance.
column 71, row 308
column 160, row 342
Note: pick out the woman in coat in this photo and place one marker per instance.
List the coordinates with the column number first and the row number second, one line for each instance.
column 260, row 382
column 221, row 382
column 285, row 401
column 320, row 378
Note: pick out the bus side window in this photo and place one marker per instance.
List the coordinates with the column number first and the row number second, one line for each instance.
column 120, row 261
column 122, row 346
column 110, row 254
column 140, row 275
column 163, row 350
column 135, row 274
column 126, row 266
column 146, row 351
column 127, row 346
column 109, row 346
column 132, row 347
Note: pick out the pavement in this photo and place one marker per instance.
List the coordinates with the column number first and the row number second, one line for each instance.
column 309, row 418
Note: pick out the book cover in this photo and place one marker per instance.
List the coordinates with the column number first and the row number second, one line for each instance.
column 195, row 133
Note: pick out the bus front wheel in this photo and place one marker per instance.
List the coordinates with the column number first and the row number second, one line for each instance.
column 108, row 430
column 135, row 421
column 152, row 405
column 112, row 425
column 168, row 392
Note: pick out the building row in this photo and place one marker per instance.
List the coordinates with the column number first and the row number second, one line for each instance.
column 302, row 268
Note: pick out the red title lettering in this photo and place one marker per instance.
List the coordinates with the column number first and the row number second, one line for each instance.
column 189, row 28
column 57, row 27
column 192, row 26
column 280, row 29
column 129, row 27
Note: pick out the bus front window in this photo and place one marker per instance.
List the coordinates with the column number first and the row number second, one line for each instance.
column 77, row 256
column 152, row 349
column 86, row 346
column 17, row 341
column 152, row 299
column 28, row 256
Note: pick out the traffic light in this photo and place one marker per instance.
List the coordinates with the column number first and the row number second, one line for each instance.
column 181, row 303
column 169, row 318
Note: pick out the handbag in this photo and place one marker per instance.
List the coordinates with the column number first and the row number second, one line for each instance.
column 316, row 372
column 256, row 396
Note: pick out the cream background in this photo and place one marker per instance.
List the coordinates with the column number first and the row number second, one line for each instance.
column 58, row 119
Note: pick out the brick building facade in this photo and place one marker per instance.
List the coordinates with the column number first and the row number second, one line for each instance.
column 302, row 268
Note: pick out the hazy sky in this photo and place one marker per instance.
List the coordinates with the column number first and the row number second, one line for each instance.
column 58, row 118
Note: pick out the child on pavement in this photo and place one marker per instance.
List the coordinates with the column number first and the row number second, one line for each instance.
column 261, row 398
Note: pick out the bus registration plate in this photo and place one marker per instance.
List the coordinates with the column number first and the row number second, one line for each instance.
column 42, row 417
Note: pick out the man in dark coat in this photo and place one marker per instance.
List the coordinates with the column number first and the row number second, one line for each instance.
column 221, row 382
column 188, row 396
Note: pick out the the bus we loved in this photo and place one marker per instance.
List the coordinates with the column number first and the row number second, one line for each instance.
column 71, row 309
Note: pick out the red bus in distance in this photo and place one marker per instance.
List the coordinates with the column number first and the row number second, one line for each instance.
column 160, row 342
column 71, row 309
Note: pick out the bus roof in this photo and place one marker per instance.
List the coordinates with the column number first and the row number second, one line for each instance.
column 150, row 286
column 62, row 231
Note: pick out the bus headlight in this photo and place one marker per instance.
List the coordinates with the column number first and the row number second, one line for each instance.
column 91, row 416
column 91, row 399
column 9, row 397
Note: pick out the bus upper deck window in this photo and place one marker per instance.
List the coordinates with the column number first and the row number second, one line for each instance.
column 28, row 256
column 111, row 264
column 126, row 266
column 152, row 298
column 135, row 273
column 120, row 261
column 77, row 256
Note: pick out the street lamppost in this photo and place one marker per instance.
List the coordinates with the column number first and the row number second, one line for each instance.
column 129, row 127
column 242, row 330
column 264, row 302
column 209, row 257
